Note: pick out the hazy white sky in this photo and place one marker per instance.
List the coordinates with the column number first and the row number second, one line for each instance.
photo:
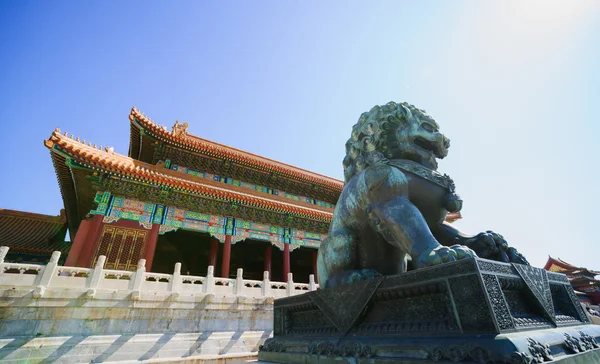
column 514, row 84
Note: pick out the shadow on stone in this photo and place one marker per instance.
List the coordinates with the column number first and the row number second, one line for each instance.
column 197, row 344
column 63, row 349
column 113, row 348
column 157, row 346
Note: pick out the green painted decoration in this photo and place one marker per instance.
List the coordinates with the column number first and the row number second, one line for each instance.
column 170, row 218
column 246, row 185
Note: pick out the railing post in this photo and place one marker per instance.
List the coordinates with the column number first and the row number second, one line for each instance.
column 138, row 280
column 209, row 282
column 176, row 282
column 289, row 288
column 3, row 252
column 239, row 282
column 311, row 283
column 266, row 285
column 47, row 275
column 97, row 275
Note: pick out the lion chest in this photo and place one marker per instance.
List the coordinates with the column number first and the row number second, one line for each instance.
column 428, row 198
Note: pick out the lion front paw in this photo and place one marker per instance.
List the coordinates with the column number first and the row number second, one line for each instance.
column 351, row 276
column 491, row 245
column 443, row 254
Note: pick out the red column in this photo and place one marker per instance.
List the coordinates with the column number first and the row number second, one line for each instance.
column 86, row 256
column 268, row 254
column 226, row 257
column 214, row 249
column 78, row 242
column 314, row 264
column 286, row 261
column 150, row 246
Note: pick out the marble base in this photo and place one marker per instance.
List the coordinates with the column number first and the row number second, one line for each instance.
column 66, row 326
column 220, row 347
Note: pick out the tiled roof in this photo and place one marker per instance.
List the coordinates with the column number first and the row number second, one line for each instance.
column 559, row 265
column 106, row 161
column 453, row 216
column 216, row 150
column 32, row 233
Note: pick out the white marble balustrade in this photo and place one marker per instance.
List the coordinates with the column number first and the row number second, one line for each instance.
column 51, row 276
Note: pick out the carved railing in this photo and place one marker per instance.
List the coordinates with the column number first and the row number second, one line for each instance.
column 51, row 276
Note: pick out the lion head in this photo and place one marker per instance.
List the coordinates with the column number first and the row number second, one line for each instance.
column 394, row 131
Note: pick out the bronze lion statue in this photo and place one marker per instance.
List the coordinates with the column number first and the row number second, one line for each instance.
column 394, row 203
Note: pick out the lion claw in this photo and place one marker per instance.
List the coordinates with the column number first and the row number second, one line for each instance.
column 443, row 254
column 491, row 245
column 351, row 276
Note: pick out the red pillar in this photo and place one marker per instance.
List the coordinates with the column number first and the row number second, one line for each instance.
column 226, row 257
column 268, row 254
column 286, row 261
column 78, row 242
column 314, row 264
column 150, row 246
column 214, row 248
column 86, row 256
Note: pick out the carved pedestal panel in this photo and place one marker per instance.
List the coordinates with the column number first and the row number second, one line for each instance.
column 469, row 311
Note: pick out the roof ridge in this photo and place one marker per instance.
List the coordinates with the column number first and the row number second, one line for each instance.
column 75, row 139
column 57, row 219
column 184, row 183
column 257, row 159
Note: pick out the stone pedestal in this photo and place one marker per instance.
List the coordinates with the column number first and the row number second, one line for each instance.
column 469, row 311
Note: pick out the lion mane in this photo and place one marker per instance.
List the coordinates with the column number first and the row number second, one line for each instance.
column 374, row 137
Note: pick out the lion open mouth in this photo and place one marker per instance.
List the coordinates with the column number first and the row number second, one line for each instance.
column 438, row 148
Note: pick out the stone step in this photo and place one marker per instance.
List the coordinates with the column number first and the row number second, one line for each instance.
column 131, row 348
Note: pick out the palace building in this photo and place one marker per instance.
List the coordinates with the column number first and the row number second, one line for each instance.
column 583, row 280
column 33, row 237
column 179, row 198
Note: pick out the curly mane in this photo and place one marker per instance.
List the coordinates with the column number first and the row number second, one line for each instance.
column 374, row 136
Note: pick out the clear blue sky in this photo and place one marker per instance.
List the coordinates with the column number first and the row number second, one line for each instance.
column 516, row 87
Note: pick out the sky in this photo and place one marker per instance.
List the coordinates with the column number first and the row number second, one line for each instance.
column 515, row 85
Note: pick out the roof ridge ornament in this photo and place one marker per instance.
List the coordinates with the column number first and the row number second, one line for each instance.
column 180, row 129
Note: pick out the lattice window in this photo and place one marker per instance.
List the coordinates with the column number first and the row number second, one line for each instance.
column 121, row 246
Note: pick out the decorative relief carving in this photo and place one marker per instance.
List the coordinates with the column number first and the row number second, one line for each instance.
column 343, row 307
column 392, row 315
column 537, row 282
column 495, row 267
column 472, row 308
column 575, row 303
column 573, row 344
column 587, row 341
column 499, row 306
column 326, row 348
column 557, row 277
column 355, row 349
column 456, row 353
column 541, row 352
column 273, row 345
column 429, row 174
column 519, row 358
column 431, row 273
